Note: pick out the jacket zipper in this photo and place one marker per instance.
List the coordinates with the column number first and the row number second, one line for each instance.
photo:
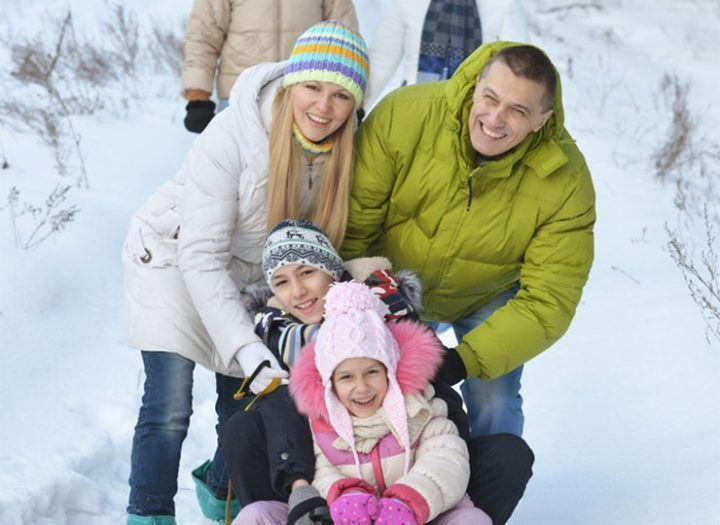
column 469, row 194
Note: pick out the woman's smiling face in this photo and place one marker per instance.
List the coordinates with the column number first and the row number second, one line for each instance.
column 320, row 108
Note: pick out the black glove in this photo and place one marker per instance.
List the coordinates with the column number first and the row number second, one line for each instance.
column 452, row 369
column 199, row 114
column 307, row 507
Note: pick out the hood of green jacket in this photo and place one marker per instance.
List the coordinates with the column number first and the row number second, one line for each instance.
column 540, row 150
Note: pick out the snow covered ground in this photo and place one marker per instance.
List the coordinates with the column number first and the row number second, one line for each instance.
column 622, row 413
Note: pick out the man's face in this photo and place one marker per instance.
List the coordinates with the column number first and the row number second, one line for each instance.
column 301, row 291
column 506, row 109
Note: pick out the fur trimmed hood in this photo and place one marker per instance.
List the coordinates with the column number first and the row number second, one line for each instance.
column 420, row 356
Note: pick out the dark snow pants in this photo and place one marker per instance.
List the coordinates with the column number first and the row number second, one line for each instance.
column 500, row 468
column 267, row 448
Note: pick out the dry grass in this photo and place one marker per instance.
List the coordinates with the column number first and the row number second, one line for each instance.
column 701, row 273
column 44, row 221
column 59, row 75
column 123, row 33
column 691, row 161
column 166, row 50
column 678, row 146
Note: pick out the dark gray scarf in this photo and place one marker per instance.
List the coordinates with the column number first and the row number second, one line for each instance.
column 450, row 33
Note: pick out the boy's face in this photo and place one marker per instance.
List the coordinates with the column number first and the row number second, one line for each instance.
column 301, row 291
column 360, row 384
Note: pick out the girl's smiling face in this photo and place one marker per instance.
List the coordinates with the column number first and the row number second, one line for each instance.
column 360, row 383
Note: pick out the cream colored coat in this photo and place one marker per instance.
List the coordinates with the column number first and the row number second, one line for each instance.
column 242, row 33
column 397, row 38
column 197, row 241
column 440, row 467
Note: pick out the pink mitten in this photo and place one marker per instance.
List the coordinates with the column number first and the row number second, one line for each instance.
column 394, row 512
column 354, row 508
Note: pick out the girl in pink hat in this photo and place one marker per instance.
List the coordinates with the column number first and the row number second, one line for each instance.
column 386, row 453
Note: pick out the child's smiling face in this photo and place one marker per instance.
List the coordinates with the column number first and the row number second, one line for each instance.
column 301, row 291
column 360, row 383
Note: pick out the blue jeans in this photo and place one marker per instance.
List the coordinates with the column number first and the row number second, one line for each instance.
column 493, row 406
column 162, row 425
column 222, row 104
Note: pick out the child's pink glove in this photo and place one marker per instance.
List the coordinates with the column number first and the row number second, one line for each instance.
column 354, row 508
column 394, row 512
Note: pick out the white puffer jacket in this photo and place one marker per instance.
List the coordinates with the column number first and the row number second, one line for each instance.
column 197, row 241
column 397, row 38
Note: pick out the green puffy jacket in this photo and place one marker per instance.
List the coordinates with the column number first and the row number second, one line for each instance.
column 471, row 233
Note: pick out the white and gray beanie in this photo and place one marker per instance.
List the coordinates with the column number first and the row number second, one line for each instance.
column 300, row 242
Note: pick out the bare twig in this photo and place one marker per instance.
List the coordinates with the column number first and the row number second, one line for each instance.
column 568, row 7
column 678, row 145
column 700, row 275
column 47, row 220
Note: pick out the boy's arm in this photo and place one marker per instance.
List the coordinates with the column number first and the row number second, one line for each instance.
column 386, row 286
column 283, row 334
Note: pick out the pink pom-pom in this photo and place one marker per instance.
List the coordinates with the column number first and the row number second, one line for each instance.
column 346, row 297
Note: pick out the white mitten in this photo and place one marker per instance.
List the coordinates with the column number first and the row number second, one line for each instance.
column 250, row 356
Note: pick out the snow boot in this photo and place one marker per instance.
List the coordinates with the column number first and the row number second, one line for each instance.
column 213, row 508
column 134, row 519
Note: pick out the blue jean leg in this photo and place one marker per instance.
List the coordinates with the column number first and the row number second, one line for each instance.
column 162, row 425
column 225, row 407
column 222, row 104
column 493, row 406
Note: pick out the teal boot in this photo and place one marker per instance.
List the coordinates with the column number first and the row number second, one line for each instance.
column 134, row 519
column 213, row 508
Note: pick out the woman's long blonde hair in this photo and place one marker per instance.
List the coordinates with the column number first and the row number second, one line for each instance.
column 286, row 159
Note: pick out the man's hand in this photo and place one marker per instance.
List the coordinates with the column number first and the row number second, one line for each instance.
column 250, row 356
column 452, row 369
column 198, row 115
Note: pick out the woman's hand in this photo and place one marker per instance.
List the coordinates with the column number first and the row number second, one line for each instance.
column 250, row 356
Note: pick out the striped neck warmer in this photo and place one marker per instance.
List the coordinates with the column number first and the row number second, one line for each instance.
column 310, row 148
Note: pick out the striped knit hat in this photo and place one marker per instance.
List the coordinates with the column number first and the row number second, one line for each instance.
column 330, row 51
column 300, row 242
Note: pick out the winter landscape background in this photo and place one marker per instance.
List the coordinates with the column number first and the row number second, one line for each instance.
column 622, row 413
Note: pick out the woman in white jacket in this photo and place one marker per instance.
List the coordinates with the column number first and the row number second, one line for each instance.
column 283, row 149
column 397, row 37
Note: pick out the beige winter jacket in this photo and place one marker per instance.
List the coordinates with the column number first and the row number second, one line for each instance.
column 242, row 33
column 197, row 241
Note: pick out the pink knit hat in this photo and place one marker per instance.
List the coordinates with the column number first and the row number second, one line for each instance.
column 354, row 326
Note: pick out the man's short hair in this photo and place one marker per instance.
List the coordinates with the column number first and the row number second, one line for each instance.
column 531, row 63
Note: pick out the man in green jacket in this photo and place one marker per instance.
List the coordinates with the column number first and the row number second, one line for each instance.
column 475, row 184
